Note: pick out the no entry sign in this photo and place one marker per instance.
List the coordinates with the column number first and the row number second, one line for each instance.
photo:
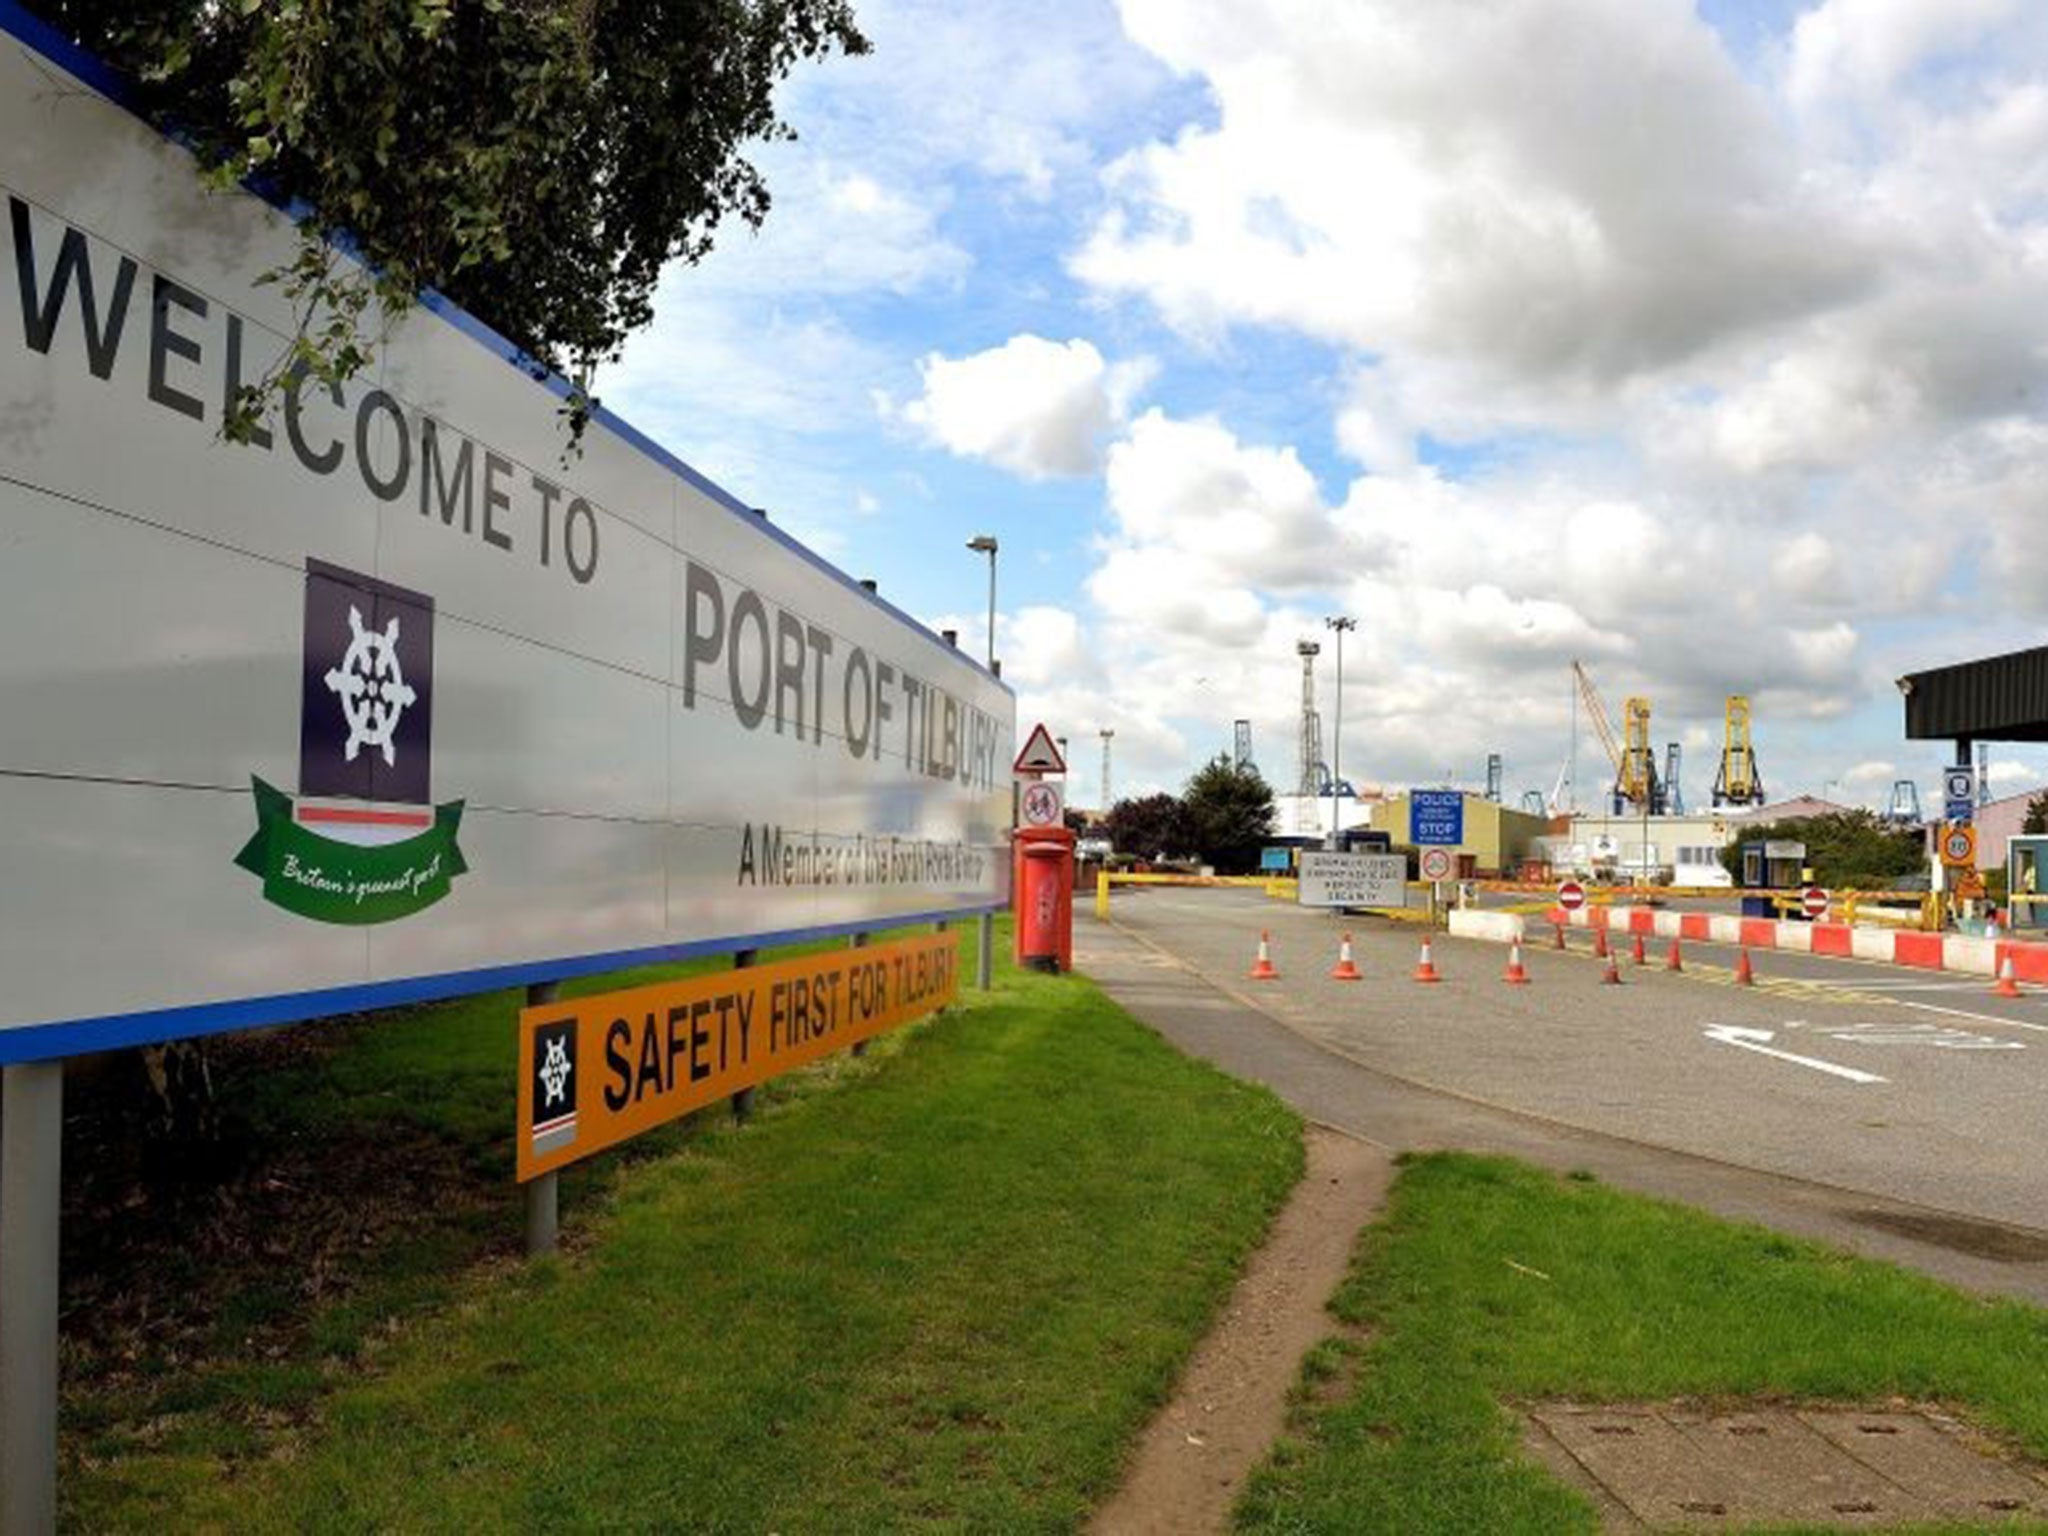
column 1571, row 895
column 1815, row 901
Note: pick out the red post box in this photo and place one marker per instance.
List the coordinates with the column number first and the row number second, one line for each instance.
column 1043, row 883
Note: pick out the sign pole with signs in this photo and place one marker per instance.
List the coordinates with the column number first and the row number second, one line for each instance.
column 1436, row 824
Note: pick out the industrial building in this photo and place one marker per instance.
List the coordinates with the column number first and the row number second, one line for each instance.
column 1498, row 840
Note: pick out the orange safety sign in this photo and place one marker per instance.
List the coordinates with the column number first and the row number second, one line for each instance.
column 596, row 1071
column 1959, row 845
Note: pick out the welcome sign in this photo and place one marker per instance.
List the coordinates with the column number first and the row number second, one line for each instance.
column 397, row 700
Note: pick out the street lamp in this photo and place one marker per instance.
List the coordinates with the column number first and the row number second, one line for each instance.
column 985, row 544
column 1340, row 625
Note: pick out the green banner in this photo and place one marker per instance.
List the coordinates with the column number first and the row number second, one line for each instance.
column 336, row 882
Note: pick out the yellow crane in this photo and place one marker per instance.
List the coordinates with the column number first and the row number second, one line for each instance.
column 1634, row 759
column 1738, row 782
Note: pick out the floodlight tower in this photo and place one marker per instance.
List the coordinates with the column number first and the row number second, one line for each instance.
column 1106, row 736
column 1311, row 725
column 1241, row 748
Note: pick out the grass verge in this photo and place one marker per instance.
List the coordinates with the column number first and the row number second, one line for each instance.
column 1630, row 1299
column 940, row 1287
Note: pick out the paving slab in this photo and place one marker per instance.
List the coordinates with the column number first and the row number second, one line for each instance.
column 1945, row 1465
column 1677, row 1466
column 1651, row 1467
column 1791, row 1472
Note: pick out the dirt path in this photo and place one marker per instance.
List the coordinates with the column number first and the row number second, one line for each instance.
column 1232, row 1400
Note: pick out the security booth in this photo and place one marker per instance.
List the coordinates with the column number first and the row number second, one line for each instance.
column 2026, row 880
column 1969, row 703
column 1767, row 868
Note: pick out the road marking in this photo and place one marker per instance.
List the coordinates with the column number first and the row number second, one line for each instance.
column 1940, row 1036
column 1914, row 985
column 1759, row 1040
column 1963, row 1013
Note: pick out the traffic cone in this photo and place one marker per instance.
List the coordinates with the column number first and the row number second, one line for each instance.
column 2006, row 987
column 1344, row 970
column 1557, row 935
column 1262, row 968
column 1424, row 969
column 1636, row 954
column 1612, row 978
column 1516, row 976
column 1673, row 961
column 1744, row 977
column 1600, row 949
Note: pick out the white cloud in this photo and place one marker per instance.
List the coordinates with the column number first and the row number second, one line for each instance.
column 1861, row 47
column 1395, row 177
column 1035, row 407
column 2011, row 775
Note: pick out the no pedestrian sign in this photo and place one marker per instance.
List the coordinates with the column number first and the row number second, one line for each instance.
column 1040, row 805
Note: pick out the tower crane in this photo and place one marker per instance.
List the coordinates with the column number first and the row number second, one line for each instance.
column 1636, row 785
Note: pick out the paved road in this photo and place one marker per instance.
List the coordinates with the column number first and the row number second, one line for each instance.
column 1938, row 1108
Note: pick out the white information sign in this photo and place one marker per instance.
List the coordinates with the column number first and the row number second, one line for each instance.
column 1352, row 879
column 398, row 700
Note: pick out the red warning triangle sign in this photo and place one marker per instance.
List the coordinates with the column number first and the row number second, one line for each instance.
column 1039, row 754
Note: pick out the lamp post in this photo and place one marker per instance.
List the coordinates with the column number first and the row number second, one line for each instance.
column 1340, row 625
column 985, row 544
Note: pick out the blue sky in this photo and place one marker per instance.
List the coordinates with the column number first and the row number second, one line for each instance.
column 1701, row 343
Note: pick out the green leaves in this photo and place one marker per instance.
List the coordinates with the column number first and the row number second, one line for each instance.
column 540, row 162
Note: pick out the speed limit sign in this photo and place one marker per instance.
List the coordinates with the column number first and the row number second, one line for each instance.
column 1959, row 846
column 1436, row 863
column 1040, row 804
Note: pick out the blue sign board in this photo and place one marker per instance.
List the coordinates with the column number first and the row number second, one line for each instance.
column 1436, row 817
column 1276, row 858
column 1959, row 793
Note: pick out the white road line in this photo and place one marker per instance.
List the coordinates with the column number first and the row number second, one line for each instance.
column 1888, row 986
column 1758, row 1040
column 1964, row 1013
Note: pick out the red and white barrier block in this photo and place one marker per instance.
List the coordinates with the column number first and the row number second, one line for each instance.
column 1886, row 946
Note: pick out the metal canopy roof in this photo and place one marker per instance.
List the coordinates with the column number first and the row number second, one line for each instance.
column 2000, row 698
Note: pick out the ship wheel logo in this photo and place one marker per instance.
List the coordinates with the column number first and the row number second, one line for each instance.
column 371, row 687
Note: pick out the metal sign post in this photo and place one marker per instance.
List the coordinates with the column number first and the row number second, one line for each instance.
column 543, row 1195
column 31, row 1150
